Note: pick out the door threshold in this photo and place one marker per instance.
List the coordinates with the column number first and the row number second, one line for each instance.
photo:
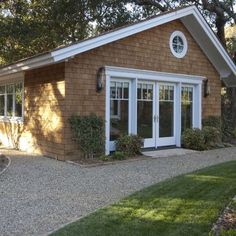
column 158, row 148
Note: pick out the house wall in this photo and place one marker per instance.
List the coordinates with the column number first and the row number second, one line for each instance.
column 54, row 93
column 42, row 130
column 148, row 50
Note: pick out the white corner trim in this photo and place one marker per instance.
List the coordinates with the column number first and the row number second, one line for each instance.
column 214, row 40
column 27, row 64
column 185, row 44
column 63, row 54
column 152, row 75
column 89, row 44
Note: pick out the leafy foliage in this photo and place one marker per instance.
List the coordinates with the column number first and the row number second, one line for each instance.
column 201, row 139
column 118, row 156
column 193, row 139
column 88, row 132
column 31, row 27
column 212, row 121
column 212, row 136
column 227, row 114
column 130, row 145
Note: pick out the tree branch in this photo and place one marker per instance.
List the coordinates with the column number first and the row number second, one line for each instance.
column 154, row 3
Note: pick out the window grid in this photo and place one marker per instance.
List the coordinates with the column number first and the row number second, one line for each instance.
column 145, row 92
column 187, row 95
column 119, row 91
column 166, row 93
column 178, row 44
column 10, row 90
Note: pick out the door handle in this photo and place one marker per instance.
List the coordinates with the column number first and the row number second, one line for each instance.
column 156, row 118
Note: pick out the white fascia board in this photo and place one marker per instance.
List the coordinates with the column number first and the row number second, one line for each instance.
column 89, row 44
column 215, row 40
column 130, row 73
column 27, row 64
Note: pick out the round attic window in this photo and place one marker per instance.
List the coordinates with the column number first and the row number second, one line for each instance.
column 178, row 44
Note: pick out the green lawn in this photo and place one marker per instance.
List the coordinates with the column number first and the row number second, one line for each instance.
column 186, row 206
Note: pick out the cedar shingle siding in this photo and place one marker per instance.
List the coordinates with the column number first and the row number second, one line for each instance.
column 54, row 93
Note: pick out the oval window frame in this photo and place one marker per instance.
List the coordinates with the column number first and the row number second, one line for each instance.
column 185, row 44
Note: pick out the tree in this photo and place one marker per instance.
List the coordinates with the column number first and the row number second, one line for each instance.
column 218, row 12
column 29, row 27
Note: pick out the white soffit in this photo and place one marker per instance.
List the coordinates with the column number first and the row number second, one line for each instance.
column 191, row 18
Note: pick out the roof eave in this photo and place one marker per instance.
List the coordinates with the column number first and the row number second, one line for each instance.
column 28, row 64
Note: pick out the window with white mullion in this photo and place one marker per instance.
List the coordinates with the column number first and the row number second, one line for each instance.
column 145, row 110
column 119, row 109
column 11, row 100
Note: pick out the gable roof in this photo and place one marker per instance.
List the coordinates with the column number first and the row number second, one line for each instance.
column 190, row 17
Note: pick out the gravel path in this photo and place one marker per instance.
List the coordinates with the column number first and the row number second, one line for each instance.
column 38, row 195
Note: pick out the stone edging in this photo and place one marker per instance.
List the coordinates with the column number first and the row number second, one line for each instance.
column 108, row 162
column 8, row 164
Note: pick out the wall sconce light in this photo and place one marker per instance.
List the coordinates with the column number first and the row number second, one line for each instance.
column 100, row 79
column 207, row 88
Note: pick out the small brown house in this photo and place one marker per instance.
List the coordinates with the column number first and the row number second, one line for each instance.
column 156, row 78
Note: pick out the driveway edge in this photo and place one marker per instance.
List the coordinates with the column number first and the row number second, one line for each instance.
column 7, row 166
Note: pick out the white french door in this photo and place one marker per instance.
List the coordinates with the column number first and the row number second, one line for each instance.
column 166, row 115
column 156, row 113
column 155, row 105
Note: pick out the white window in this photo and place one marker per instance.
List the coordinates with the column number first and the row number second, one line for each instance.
column 178, row 44
column 11, row 100
column 119, row 109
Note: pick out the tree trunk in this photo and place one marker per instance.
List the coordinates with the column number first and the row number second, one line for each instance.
column 220, row 26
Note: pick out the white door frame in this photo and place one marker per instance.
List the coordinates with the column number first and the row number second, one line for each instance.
column 165, row 141
column 134, row 75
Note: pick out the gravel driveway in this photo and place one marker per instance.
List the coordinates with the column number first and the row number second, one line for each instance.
column 38, row 195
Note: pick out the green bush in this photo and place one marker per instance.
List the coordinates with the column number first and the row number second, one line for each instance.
column 204, row 139
column 88, row 132
column 212, row 136
column 105, row 158
column 193, row 139
column 130, row 145
column 212, row 121
column 234, row 132
column 118, row 156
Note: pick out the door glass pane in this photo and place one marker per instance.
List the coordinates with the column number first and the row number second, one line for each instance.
column 145, row 110
column 187, row 108
column 119, row 109
column 10, row 105
column 166, row 111
column 10, row 90
column 18, row 100
column 2, row 104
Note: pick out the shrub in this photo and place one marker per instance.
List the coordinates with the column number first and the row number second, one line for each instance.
column 234, row 133
column 118, row 156
column 212, row 121
column 193, row 139
column 88, row 132
column 104, row 158
column 130, row 145
column 212, row 136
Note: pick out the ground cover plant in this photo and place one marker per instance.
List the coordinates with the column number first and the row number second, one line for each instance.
column 184, row 205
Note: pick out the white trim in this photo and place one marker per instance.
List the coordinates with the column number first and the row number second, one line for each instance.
column 152, row 75
column 13, row 118
column 166, row 141
column 86, row 45
column 215, row 40
column 58, row 55
column 107, row 116
column 134, row 76
column 178, row 114
column 185, row 44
